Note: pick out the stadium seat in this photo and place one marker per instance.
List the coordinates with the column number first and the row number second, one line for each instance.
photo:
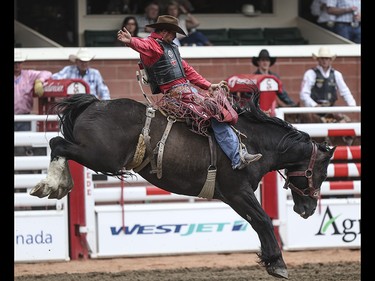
column 247, row 36
column 217, row 36
column 100, row 38
column 284, row 36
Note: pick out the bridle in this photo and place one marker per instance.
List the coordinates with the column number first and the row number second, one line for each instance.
column 310, row 190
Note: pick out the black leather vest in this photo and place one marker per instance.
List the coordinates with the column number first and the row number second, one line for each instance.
column 167, row 69
column 325, row 88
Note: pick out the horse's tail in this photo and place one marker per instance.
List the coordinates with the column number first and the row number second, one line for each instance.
column 69, row 109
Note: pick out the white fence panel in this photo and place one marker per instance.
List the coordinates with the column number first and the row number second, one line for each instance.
column 41, row 224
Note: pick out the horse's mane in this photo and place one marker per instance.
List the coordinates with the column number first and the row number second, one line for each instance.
column 255, row 114
column 69, row 109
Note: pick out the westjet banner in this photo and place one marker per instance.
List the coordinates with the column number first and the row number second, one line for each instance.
column 172, row 229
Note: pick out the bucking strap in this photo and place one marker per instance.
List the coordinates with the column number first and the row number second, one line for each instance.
column 209, row 186
column 159, row 149
column 150, row 113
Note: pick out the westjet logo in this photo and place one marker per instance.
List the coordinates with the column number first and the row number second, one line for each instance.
column 180, row 229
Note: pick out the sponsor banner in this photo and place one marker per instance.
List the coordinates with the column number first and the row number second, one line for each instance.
column 172, row 229
column 40, row 236
column 337, row 224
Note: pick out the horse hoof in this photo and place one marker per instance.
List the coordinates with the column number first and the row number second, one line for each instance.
column 278, row 272
column 59, row 193
column 40, row 190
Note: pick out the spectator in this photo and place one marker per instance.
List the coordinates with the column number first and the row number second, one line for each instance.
column 26, row 82
column 322, row 84
column 348, row 18
column 188, row 23
column 82, row 70
column 131, row 24
column 263, row 62
column 150, row 16
column 318, row 8
column 171, row 75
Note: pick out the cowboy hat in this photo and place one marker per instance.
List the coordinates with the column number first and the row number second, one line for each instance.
column 324, row 52
column 83, row 54
column 169, row 23
column 248, row 10
column 18, row 56
column 263, row 55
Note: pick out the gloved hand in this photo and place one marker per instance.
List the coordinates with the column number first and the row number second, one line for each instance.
column 222, row 84
column 38, row 88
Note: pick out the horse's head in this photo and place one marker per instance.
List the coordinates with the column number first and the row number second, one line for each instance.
column 306, row 179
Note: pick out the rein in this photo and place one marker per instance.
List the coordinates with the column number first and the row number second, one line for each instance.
column 310, row 190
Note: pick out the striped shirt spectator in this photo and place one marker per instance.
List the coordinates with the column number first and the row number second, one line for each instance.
column 81, row 70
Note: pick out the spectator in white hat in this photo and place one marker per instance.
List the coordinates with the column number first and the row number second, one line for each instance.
column 322, row 84
column 82, row 70
column 26, row 83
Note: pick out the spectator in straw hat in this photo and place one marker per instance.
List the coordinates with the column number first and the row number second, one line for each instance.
column 322, row 83
column 82, row 70
column 26, row 82
column 263, row 62
column 169, row 74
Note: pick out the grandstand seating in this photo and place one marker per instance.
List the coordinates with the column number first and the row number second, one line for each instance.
column 247, row 36
column 255, row 36
column 100, row 38
column 217, row 36
column 284, row 36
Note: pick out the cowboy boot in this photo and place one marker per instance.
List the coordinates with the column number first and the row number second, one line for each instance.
column 248, row 158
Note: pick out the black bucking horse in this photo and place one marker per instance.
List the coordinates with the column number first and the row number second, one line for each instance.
column 104, row 136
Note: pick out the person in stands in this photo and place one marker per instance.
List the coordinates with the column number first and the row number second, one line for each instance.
column 169, row 74
column 26, row 82
column 347, row 18
column 188, row 23
column 319, row 9
column 263, row 62
column 81, row 70
column 131, row 24
column 322, row 84
column 150, row 16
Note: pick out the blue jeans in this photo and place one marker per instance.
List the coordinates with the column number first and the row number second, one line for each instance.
column 227, row 140
column 349, row 32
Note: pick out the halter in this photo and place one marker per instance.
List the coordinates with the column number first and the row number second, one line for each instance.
column 308, row 173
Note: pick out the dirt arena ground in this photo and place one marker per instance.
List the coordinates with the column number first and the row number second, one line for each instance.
column 322, row 265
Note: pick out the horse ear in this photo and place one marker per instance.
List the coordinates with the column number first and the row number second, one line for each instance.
column 327, row 148
column 332, row 150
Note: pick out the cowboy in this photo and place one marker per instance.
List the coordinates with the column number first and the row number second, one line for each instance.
column 25, row 81
column 263, row 62
column 321, row 84
column 82, row 70
column 169, row 74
